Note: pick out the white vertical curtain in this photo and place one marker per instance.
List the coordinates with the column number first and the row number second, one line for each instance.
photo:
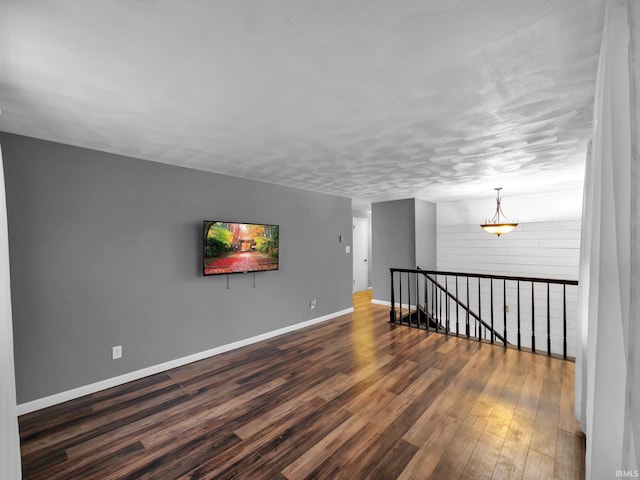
column 607, row 365
column 10, row 467
column 632, row 419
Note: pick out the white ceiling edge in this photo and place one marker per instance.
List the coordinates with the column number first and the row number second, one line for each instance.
column 561, row 206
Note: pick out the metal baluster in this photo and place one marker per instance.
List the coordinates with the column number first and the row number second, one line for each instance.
column 533, row 319
column 439, row 290
column 426, row 302
column 479, row 310
column 491, row 296
column 433, row 299
column 564, row 320
column 447, row 308
column 392, row 314
column 548, row 322
column 468, row 306
column 457, row 309
column 504, row 311
column 400, row 293
column 409, row 298
column 417, row 302
column 519, row 342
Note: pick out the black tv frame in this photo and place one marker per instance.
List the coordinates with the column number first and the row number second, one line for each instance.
column 241, row 248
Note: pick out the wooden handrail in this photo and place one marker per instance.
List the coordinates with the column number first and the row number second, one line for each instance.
column 486, row 275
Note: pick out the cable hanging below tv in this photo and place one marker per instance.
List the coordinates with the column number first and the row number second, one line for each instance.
column 232, row 247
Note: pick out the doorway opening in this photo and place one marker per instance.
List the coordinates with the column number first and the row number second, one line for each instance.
column 360, row 254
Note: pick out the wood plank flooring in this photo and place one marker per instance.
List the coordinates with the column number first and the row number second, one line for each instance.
column 352, row 398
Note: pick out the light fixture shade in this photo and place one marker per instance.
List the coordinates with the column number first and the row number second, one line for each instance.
column 498, row 225
column 498, row 228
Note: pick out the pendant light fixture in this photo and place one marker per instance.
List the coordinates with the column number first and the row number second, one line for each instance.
column 499, row 224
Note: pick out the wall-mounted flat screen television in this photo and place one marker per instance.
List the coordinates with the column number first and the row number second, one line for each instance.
column 231, row 247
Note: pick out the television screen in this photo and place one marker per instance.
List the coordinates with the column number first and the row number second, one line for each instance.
column 239, row 247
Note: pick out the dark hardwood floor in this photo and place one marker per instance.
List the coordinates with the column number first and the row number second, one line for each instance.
column 352, row 398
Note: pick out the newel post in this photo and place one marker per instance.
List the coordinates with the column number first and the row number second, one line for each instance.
column 392, row 312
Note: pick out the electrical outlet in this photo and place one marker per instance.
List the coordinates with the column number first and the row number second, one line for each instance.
column 116, row 352
column 312, row 303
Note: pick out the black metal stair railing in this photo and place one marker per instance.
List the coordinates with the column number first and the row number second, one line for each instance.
column 479, row 306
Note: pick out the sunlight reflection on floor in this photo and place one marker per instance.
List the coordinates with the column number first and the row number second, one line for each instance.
column 362, row 337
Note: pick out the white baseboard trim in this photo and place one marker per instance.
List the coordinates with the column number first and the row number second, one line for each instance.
column 61, row 397
column 388, row 304
column 381, row 302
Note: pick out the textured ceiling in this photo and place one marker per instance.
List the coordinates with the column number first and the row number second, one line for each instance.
column 367, row 99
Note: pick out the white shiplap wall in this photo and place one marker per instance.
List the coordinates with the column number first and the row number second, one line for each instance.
column 541, row 249
column 548, row 246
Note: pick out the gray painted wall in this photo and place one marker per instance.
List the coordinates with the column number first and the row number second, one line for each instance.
column 106, row 250
column 426, row 235
column 403, row 236
column 392, row 242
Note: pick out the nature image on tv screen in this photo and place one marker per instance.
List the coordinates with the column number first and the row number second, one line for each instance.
column 239, row 247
